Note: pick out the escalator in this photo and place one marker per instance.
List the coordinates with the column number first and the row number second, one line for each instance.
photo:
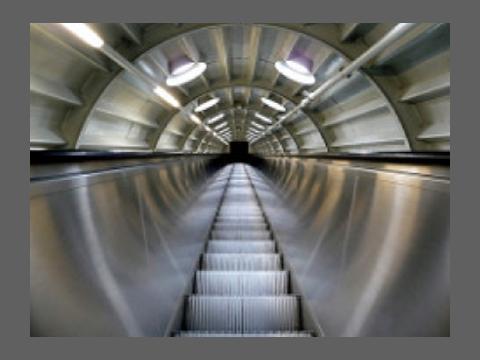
column 241, row 288
column 199, row 246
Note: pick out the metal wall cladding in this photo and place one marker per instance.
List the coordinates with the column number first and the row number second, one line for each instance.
column 112, row 252
column 368, row 246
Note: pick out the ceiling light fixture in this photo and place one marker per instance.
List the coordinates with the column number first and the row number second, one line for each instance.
column 165, row 95
column 257, row 125
column 85, row 34
column 215, row 118
column 273, row 104
column 183, row 70
column 207, row 104
column 221, row 126
column 297, row 68
column 195, row 119
column 263, row 118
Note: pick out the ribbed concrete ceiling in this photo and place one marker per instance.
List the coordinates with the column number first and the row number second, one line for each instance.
column 82, row 100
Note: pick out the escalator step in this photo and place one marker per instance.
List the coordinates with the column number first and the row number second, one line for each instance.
column 243, row 234
column 233, row 226
column 240, row 224
column 241, row 262
column 240, row 214
column 247, row 196
column 244, row 240
column 232, row 246
column 241, row 219
column 242, row 314
column 236, row 209
column 241, row 283
column 241, row 205
column 259, row 334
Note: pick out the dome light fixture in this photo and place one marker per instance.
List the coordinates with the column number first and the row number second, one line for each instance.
column 263, row 118
column 87, row 35
column 297, row 68
column 183, row 70
column 207, row 104
column 273, row 104
column 215, row 118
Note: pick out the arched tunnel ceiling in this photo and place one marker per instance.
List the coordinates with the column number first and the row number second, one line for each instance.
column 81, row 99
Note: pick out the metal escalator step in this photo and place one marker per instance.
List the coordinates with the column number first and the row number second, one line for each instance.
column 241, row 283
column 233, row 226
column 243, row 196
column 232, row 246
column 239, row 214
column 235, row 209
column 242, row 314
column 243, row 234
column 258, row 334
column 239, row 223
column 240, row 219
column 243, row 240
column 241, row 262
column 240, row 203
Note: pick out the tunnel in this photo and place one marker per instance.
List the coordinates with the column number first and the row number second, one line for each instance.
column 239, row 180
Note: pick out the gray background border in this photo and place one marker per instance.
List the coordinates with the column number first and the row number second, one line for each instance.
column 15, row 177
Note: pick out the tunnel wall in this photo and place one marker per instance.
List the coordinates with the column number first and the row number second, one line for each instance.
column 112, row 250
column 367, row 244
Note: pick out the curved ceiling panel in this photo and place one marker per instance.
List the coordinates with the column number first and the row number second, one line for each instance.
column 80, row 98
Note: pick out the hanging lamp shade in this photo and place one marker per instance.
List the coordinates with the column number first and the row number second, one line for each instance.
column 183, row 70
column 297, row 67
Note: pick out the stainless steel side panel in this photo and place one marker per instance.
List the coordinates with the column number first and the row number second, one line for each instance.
column 368, row 247
column 112, row 253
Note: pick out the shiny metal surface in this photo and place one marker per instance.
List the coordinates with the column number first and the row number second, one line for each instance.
column 55, row 169
column 368, row 248
column 112, row 252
